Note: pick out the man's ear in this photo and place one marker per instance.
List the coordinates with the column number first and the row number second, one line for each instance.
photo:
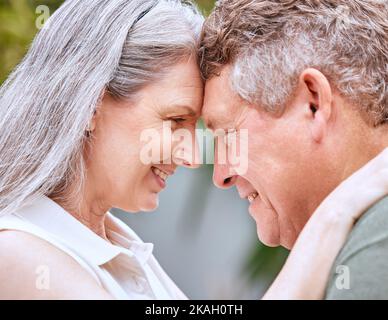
column 320, row 101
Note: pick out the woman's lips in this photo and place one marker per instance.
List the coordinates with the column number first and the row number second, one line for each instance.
column 160, row 177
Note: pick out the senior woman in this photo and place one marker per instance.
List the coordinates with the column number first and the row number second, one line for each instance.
column 71, row 116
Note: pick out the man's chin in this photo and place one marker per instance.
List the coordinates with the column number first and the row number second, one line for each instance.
column 273, row 241
column 268, row 239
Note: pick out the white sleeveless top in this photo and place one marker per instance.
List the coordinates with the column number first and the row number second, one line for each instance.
column 124, row 267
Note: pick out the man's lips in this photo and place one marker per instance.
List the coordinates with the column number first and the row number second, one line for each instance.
column 249, row 195
column 252, row 196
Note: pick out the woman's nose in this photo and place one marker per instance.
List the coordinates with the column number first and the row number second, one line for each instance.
column 188, row 156
column 222, row 177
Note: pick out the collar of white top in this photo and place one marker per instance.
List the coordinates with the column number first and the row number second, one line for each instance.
column 51, row 217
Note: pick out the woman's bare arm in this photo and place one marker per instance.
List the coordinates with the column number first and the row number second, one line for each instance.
column 306, row 272
column 31, row 268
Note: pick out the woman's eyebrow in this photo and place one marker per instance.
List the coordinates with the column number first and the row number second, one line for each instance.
column 178, row 109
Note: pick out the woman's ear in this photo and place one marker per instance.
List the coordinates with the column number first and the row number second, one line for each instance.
column 93, row 122
column 320, row 101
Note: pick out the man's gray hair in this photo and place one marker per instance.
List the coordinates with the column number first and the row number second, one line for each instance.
column 269, row 44
column 86, row 47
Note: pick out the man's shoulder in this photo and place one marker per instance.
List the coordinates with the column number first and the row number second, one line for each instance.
column 363, row 259
column 372, row 227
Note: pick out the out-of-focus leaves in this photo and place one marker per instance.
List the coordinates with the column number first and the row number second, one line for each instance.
column 264, row 263
column 16, row 19
column 205, row 5
column 17, row 29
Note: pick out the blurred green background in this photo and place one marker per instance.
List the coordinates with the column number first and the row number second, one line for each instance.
column 260, row 265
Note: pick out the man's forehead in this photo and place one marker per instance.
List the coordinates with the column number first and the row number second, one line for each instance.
column 220, row 102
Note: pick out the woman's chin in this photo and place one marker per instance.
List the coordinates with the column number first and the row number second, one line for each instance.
column 144, row 204
column 150, row 204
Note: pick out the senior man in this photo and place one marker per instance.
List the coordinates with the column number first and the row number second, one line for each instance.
column 309, row 81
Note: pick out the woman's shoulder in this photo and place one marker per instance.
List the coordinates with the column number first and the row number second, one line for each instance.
column 32, row 268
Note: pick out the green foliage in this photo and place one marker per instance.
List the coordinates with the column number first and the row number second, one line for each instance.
column 263, row 264
column 205, row 5
column 17, row 29
column 16, row 19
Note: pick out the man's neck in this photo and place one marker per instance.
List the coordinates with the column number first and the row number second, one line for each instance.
column 368, row 146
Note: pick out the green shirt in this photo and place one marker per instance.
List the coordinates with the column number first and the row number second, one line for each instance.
column 361, row 269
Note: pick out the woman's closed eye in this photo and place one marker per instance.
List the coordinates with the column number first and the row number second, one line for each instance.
column 178, row 120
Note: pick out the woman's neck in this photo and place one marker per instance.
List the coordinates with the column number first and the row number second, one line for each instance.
column 91, row 211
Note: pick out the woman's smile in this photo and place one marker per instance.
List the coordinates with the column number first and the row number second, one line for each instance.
column 160, row 176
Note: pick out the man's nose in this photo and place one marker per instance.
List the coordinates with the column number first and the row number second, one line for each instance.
column 187, row 159
column 222, row 176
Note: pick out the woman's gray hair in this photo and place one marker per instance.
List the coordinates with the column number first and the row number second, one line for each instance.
column 86, row 47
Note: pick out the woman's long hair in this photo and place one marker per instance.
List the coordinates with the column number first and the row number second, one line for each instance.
column 86, row 47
